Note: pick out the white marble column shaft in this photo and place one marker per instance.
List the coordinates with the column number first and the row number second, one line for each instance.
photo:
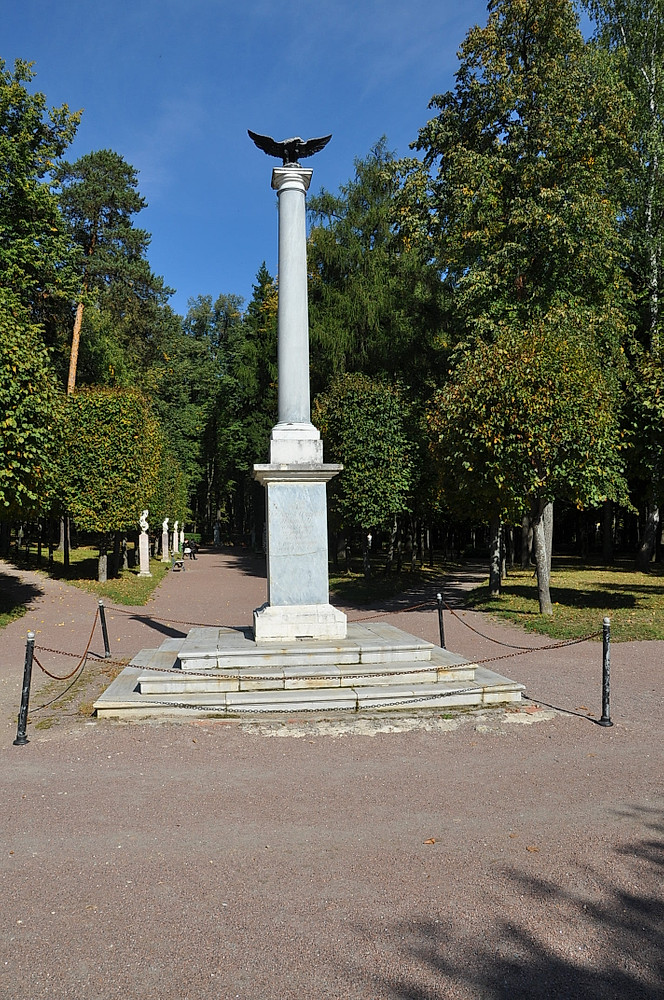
column 291, row 185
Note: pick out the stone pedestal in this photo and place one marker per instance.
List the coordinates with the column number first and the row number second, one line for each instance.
column 144, row 554
column 298, row 601
column 164, row 547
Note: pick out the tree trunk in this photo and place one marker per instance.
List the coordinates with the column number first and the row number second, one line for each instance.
column 541, row 560
column 66, row 541
column 5, row 538
column 503, row 552
column 547, row 517
column 75, row 343
column 607, row 532
column 494, row 556
column 389, row 563
column 102, row 562
column 115, row 559
column 526, row 541
column 647, row 546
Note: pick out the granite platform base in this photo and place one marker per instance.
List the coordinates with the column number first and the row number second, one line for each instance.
column 223, row 672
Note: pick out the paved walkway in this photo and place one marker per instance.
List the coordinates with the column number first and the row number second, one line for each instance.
column 491, row 855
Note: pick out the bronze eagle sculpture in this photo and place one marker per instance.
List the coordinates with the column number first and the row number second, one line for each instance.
column 289, row 150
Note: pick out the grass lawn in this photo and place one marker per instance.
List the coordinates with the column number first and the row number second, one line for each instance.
column 128, row 588
column 355, row 588
column 9, row 610
column 582, row 595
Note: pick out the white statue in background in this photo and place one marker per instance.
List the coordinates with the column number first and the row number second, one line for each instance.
column 164, row 526
column 143, row 521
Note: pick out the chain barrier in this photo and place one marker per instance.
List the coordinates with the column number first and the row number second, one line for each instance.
column 82, row 659
column 401, row 701
column 519, row 650
column 525, row 649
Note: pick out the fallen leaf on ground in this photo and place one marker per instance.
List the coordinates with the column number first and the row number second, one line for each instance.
column 431, row 840
column 532, row 849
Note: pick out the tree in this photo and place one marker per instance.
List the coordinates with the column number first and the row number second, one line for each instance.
column 249, row 400
column 98, row 196
column 645, row 423
column 107, row 471
column 528, row 158
column 362, row 424
column 373, row 297
column 36, row 259
column 209, row 328
column 525, row 420
column 29, row 407
column 633, row 30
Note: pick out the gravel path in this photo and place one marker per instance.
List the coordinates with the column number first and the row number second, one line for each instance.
column 493, row 855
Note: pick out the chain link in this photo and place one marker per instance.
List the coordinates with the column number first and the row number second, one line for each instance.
column 81, row 662
column 525, row 649
column 239, row 710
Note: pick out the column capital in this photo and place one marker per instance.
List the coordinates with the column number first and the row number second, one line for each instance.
column 291, row 179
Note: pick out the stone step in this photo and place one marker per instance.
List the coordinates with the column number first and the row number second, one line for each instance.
column 374, row 642
column 303, row 677
column 124, row 699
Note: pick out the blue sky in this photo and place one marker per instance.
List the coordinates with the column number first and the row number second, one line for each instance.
column 173, row 86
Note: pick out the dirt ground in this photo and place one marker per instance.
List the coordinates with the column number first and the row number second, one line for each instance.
column 498, row 854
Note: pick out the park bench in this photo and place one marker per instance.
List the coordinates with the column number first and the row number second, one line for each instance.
column 178, row 564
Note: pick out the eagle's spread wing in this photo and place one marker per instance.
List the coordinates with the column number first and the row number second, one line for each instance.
column 312, row 146
column 290, row 150
column 268, row 145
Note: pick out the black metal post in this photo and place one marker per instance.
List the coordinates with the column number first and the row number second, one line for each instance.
column 21, row 738
column 104, row 630
column 441, row 627
column 606, row 673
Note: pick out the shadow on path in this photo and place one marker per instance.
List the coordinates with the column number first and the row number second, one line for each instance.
column 15, row 592
column 567, row 941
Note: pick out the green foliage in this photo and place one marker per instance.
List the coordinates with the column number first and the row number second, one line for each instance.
column 250, row 381
column 109, row 466
column 170, row 495
column 531, row 416
column 362, row 423
column 645, row 423
column 29, row 405
column 36, row 259
column 529, row 155
column 98, row 196
column 373, row 296
column 633, row 32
